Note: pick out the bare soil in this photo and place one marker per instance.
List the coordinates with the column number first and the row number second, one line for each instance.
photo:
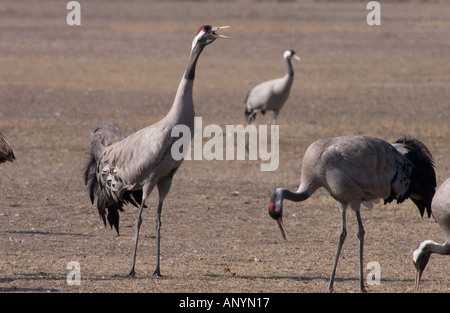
column 124, row 63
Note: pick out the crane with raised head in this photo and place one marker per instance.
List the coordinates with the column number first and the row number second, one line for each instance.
column 130, row 168
column 359, row 170
column 441, row 213
column 271, row 95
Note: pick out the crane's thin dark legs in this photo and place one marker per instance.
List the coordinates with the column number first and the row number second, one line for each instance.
column 136, row 239
column 158, row 239
column 361, row 233
column 275, row 115
column 163, row 189
column 341, row 243
column 146, row 190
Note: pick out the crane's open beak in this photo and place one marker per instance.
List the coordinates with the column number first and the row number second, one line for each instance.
column 216, row 35
column 281, row 226
column 296, row 57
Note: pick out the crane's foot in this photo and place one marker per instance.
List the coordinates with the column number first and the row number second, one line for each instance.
column 132, row 273
column 330, row 290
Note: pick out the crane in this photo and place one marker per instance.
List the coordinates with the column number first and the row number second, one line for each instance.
column 6, row 152
column 441, row 213
column 129, row 169
column 359, row 170
column 271, row 95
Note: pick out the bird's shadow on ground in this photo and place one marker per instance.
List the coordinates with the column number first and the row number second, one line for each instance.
column 303, row 278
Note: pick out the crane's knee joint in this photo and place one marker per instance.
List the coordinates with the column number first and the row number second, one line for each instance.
column 158, row 223
column 343, row 235
column 361, row 234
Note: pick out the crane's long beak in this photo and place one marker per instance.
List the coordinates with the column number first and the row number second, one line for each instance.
column 296, row 57
column 217, row 28
column 417, row 282
column 281, row 226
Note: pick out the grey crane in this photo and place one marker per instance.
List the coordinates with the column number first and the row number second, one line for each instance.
column 6, row 152
column 441, row 213
column 129, row 168
column 362, row 169
column 271, row 95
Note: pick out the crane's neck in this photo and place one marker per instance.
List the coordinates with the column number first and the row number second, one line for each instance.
column 290, row 69
column 182, row 111
column 434, row 247
column 294, row 196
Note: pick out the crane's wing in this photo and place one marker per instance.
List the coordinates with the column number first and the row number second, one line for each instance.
column 125, row 165
column 367, row 168
column 262, row 96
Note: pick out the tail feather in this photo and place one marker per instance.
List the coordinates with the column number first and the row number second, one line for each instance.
column 423, row 176
column 6, row 152
column 103, row 136
column 90, row 177
column 113, row 217
column 247, row 114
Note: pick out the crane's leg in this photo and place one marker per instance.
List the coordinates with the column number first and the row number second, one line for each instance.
column 343, row 207
column 163, row 189
column 361, row 233
column 146, row 190
column 158, row 224
column 275, row 115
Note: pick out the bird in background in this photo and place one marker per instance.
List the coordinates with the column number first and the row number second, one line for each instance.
column 6, row 152
column 441, row 213
column 271, row 95
column 359, row 170
column 123, row 170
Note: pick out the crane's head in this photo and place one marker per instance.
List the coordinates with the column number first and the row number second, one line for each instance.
column 206, row 34
column 420, row 258
column 276, row 210
column 290, row 54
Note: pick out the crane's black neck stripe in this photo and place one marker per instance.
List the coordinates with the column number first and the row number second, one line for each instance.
column 190, row 70
column 290, row 68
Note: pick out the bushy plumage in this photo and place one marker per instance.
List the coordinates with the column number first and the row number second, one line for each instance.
column 6, row 152
column 423, row 177
column 104, row 136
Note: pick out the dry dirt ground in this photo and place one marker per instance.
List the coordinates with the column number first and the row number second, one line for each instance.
column 124, row 63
